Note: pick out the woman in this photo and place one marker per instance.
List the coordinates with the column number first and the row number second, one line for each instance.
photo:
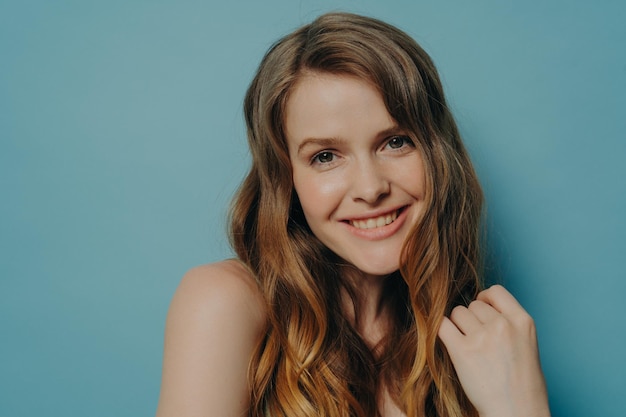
column 356, row 232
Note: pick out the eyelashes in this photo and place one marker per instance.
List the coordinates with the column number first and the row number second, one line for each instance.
column 394, row 143
column 324, row 157
column 397, row 142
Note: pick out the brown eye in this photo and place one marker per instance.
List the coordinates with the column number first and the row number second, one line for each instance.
column 397, row 142
column 324, row 157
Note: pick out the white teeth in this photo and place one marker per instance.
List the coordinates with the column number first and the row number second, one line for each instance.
column 373, row 222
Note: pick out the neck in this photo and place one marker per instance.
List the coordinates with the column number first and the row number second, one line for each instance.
column 366, row 307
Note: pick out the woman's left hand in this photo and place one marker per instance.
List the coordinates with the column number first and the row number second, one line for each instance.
column 493, row 346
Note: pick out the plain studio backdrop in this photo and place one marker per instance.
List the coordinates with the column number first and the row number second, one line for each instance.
column 122, row 142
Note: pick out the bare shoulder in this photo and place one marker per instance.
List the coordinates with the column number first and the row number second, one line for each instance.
column 225, row 287
column 214, row 323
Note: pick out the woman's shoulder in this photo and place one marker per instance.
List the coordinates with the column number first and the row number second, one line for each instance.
column 215, row 321
column 226, row 287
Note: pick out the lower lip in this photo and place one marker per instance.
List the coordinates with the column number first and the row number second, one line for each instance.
column 382, row 232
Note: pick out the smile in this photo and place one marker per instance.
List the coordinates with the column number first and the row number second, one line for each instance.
column 374, row 222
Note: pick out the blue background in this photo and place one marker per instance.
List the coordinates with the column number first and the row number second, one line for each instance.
column 122, row 140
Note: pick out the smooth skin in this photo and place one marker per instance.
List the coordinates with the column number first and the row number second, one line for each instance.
column 344, row 175
column 352, row 164
column 493, row 346
column 213, row 325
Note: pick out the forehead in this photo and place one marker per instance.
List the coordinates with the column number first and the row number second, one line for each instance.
column 324, row 105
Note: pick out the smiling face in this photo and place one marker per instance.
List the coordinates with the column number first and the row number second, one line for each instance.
column 358, row 176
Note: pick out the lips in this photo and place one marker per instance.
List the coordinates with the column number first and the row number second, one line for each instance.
column 374, row 222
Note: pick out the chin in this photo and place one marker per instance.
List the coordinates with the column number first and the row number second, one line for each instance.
column 376, row 270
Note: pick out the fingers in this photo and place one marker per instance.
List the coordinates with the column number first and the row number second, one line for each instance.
column 483, row 311
column 449, row 333
column 465, row 320
column 492, row 345
column 500, row 299
column 470, row 319
column 492, row 305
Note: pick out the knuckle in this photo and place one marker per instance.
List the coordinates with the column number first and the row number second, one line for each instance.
column 474, row 304
column 457, row 311
column 494, row 288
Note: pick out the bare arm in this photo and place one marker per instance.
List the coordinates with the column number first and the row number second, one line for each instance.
column 493, row 346
column 213, row 325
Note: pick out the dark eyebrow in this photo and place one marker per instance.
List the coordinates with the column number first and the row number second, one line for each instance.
column 321, row 142
column 332, row 142
column 391, row 131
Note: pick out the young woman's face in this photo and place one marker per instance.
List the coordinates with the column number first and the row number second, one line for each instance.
column 359, row 178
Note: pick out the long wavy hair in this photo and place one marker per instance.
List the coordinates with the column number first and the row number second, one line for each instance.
column 311, row 361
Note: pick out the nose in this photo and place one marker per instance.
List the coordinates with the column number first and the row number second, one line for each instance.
column 369, row 183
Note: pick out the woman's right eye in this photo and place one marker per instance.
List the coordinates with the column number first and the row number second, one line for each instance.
column 323, row 157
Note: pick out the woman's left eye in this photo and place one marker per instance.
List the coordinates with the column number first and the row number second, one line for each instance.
column 398, row 142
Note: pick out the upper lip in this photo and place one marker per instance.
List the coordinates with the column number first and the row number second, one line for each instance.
column 373, row 214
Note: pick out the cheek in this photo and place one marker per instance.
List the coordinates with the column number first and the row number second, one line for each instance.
column 319, row 195
column 413, row 178
column 416, row 185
